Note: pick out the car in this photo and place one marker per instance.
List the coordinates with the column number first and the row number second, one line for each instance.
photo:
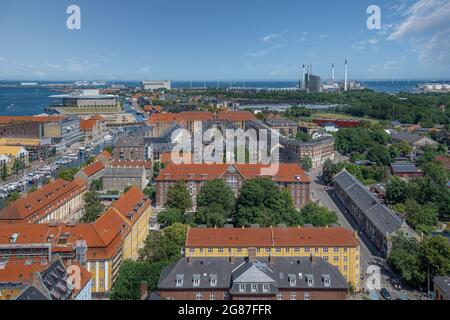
column 403, row 296
column 385, row 294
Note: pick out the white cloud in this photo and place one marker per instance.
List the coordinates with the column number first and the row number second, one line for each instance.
column 323, row 36
column 426, row 25
column 363, row 44
column 273, row 36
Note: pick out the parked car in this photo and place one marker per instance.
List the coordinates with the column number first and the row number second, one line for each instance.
column 385, row 294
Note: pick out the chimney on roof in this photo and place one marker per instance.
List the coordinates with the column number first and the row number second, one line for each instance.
column 271, row 260
column 251, row 254
column 144, row 290
column 232, row 259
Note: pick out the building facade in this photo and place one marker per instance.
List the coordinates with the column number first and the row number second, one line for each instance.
column 335, row 245
column 318, row 150
column 289, row 176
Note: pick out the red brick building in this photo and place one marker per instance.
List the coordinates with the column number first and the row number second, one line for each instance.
column 289, row 176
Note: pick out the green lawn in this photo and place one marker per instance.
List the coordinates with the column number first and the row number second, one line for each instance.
column 342, row 116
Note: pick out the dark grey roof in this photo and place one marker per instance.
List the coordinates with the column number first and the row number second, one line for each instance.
column 54, row 280
column 281, row 122
column 273, row 273
column 411, row 138
column 31, row 293
column 444, row 284
column 114, row 172
column 403, row 167
column 125, row 142
column 378, row 214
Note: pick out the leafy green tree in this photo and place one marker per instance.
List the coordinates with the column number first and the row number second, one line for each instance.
column 150, row 191
column 67, row 174
column 317, row 215
column 212, row 216
column 96, row 184
column 307, row 162
column 422, row 218
column 379, row 154
column 126, row 189
column 12, row 197
column 435, row 256
column 130, row 276
column 164, row 245
column 302, row 136
column 4, row 172
column 216, row 192
column 93, row 207
column 262, row 202
column 397, row 190
column 178, row 197
column 170, row 216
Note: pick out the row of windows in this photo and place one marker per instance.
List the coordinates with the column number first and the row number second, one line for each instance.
column 292, row 295
column 269, row 250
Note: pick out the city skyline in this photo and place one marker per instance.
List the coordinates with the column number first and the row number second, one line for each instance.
column 202, row 40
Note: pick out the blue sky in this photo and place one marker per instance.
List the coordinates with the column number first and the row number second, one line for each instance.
column 217, row 39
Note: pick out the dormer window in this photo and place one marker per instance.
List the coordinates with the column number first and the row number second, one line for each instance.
column 254, row 288
column 326, row 280
column 266, row 288
column 242, row 288
column 179, row 280
column 213, row 280
column 310, row 280
column 196, row 280
column 292, row 280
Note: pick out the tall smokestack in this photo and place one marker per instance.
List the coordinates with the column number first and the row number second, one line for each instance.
column 332, row 72
column 303, row 76
column 346, row 77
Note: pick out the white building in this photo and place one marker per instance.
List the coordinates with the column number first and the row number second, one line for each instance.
column 157, row 84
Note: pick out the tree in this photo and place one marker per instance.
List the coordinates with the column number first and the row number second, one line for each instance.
column 435, row 256
column 317, row 215
column 307, row 162
column 170, row 216
column 216, row 192
column 212, row 216
column 96, row 184
column 12, row 197
column 108, row 148
column 93, row 207
column 150, row 192
column 379, row 154
column 178, row 197
column 397, row 190
column 164, row 245
column 262, row 202
column 302, row 136
column 4, row 172
column 423, row 218
column 67, row 174
column 130, row 276
column 126, row 189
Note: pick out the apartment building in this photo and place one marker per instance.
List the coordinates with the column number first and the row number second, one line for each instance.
column 57, row 201
column 335, row 245
column 239, row 118
column 318, row 150
column 288, row 175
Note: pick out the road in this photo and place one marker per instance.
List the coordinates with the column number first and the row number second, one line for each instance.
column 369, row 256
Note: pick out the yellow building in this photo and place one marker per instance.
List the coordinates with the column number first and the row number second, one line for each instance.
column 336, row 245
column 15, row 153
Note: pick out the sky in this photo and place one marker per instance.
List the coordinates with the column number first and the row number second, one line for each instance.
column 223, row 39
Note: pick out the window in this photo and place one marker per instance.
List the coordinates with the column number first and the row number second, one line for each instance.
column 213, row 280
column 345, row 258
column 326, row 280
column 196, row 280
column 212, row 296
column 198, row 296
column 267, row 250
column 191, row 251
column 220, row 250
column 310, row 280
column 325, row 249
column 279, row 296
column 242, row 288
column 306, row 296
column 239, row 250
column 296, row 249
column 345, row 268
column 225, row 296
column 102, row 283
column 325, row 258
column 292, row 280
column 266, row 288
column 278, row 250
column 179, row 280
column 254, row 288
column 293, row 295
column 210, row 250
column 307, row 249
column 287, row 250
column 101, row 266
column 345, row 249
column 336, row 258
column 336, row 249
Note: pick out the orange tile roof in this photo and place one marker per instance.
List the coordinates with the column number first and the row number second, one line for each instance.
column 36, row 205
column 156, row 118
column 105, row 154
column 166, row 157
column 152, row 108
column 235, row 116
column 103, row 237
column 87, row 124
column 19, row 271
column 93, row 168
column 190, row 116
column 132, row 164
column 270, row 237
column 287, row 172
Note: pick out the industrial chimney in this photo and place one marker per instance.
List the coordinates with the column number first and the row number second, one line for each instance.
column 346, row 77
column 332, row 72
column 303, row 77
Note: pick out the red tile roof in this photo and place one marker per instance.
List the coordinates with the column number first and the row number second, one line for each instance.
column 270, row 237
column 88, row 124
column 156, row 118
column 287, row 172
column 190, row 116
column 236, row 116
column 32, row 207
column 105, row 154
column 93, row 168
column 132, row 164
